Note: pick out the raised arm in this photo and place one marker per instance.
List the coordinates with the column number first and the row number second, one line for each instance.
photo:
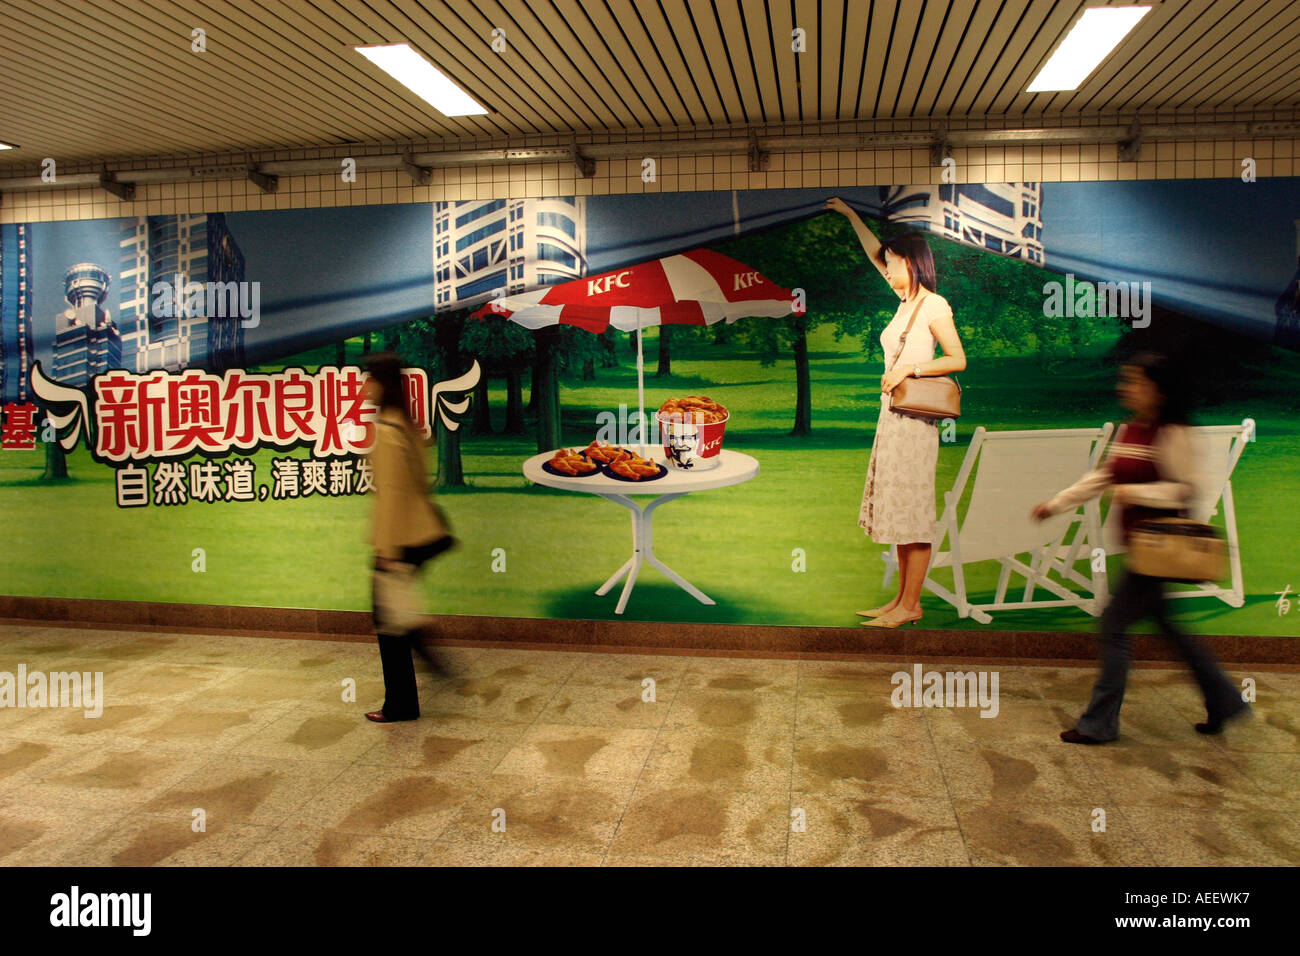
column 870, row 244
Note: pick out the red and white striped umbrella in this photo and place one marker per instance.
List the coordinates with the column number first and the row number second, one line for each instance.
column 699, row 287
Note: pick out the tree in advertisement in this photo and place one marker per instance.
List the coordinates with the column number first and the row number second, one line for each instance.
column 813, row 255
column 433, row 343
column 504, row 350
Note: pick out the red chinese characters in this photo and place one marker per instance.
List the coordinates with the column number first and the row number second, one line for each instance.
column 167, row 416
column 128, row 410
column 18, row 432
column 194, row 412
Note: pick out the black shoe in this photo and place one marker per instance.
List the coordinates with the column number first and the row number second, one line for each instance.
column 1072, row 736
column 1214, row 722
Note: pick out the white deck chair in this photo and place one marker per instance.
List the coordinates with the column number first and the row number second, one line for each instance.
column 1016, row 470
column 1218, row 449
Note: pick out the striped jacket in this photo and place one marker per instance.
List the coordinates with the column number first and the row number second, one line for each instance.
column 1159, row 474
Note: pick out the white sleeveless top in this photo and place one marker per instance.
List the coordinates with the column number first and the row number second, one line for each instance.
column 921, row 342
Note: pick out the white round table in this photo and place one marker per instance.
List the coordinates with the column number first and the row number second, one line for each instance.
column 735, row 468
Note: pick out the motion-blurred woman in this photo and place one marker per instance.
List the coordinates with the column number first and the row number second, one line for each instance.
column 406, row 531
column 1153, row 470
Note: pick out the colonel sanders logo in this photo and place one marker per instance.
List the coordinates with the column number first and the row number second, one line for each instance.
column 681, row 443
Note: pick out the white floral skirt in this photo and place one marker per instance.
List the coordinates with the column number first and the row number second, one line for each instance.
column 898, row 500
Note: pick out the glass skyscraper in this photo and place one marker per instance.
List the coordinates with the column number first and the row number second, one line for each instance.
column 510, row 244
column 161, row 332
column 1000, row 217
column 86, row 340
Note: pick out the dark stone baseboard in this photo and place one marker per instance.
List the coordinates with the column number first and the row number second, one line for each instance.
column 630, row 636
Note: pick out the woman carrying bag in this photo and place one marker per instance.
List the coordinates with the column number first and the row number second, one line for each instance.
column 898, row 498
column 1152, row 468
column 406, row 531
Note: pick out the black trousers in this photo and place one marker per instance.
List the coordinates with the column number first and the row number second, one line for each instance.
column 401, row 700
column 1138, row 597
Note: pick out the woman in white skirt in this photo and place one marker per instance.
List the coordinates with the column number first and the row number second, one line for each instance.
column 898, row 500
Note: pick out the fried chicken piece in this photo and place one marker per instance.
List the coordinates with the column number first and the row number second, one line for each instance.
column 693, row 409
column 624, row 469
column 607, row 454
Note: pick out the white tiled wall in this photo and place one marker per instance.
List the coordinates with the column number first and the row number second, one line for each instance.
column 1190, row 159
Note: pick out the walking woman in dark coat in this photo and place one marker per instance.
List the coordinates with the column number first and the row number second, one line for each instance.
column 406, row 531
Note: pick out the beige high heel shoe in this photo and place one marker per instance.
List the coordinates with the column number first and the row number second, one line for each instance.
column 887, row 621
column 875, row 611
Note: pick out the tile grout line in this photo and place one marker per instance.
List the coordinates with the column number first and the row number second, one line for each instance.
column 659, row 730
column 952, row 805
column 794, row 749
column 283, row 824
column 482, row 784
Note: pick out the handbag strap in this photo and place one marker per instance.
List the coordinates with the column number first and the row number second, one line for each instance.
column 902, row 342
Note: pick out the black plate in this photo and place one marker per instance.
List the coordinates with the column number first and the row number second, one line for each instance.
column 610, row 474
column 546, row 467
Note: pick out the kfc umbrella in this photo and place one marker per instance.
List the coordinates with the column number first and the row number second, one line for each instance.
column 700, row 287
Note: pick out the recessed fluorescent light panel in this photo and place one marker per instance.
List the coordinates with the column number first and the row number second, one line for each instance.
column 420, row 76
column 1098, row 32
column 6, row 146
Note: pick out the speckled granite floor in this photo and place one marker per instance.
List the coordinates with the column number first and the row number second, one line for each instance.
column 223, row 750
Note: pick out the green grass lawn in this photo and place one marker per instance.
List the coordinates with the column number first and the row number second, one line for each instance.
column 736, row 544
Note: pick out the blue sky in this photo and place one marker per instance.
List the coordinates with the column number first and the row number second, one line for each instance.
column 631, row 228
column 55, row 247
column 347, row 269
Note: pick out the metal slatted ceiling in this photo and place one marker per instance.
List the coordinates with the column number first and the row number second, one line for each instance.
column 103, row 79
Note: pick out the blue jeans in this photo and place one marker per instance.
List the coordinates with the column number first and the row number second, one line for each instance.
column 1138, row 597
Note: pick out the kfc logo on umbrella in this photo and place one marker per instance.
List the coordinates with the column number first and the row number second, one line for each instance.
column 700, row 287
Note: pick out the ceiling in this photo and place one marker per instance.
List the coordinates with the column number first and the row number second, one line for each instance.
column 85, row 80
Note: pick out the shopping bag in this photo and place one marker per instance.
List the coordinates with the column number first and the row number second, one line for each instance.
column 397, row 598
column 1178, row 549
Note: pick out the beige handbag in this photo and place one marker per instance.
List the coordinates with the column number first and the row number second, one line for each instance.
column 397, row 598
column 1178, row 549
column 932, row 397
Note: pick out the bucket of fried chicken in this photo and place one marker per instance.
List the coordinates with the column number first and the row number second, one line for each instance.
column 691, row 430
